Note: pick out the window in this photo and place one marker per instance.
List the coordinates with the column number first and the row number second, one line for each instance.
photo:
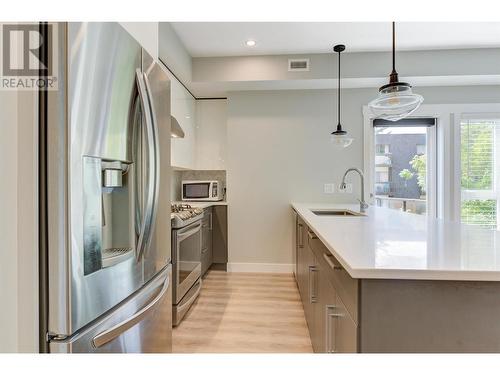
column 480, row 156
column 382, row 149
column 382, row 176
column 401, row 175
column 462, row 162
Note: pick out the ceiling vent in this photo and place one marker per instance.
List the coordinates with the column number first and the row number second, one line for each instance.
column 298, row 65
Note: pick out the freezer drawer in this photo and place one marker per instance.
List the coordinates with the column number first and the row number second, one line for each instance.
column 141, row 324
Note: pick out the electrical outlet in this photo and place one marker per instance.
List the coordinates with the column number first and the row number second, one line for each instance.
column 347, row 190
column 329, row 188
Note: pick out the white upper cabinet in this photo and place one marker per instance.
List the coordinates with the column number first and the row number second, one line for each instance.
column 183, row 108
column 204, row 126
column 211, row 134
column 146, row 33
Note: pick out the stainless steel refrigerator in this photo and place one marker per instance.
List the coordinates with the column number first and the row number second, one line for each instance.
column 105, row 195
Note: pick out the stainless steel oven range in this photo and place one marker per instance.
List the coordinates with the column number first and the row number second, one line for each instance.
column 186, row 258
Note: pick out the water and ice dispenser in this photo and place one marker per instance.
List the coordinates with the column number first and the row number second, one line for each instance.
column 108, row 217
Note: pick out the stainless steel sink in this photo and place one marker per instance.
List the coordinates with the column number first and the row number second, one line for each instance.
column 338, row 212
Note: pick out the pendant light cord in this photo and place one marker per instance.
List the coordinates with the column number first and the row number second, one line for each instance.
column 394, row 75
column 394, row 46
column 339, row 48
column 338, row 95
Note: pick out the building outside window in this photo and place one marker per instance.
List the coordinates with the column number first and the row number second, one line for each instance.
column 401, row 174
column 382, row 149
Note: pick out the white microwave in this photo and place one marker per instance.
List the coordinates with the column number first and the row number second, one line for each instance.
column 201, row 190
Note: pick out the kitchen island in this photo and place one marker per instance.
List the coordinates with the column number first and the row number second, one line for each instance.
column 390, row 281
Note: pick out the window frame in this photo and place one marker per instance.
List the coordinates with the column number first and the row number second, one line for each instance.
column 431, row 151
column 446, row 202
column 494, row 192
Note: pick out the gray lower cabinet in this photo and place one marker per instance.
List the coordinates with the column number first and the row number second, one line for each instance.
column 219, row 236
column 322, row 284
column 325, row 321
column 345, row 331
column 311, row 287
column 295, row 218
column 206, row 240
column 214, row 238
column 301, row 273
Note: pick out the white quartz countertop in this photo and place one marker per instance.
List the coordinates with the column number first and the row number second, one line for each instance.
column 390, row 244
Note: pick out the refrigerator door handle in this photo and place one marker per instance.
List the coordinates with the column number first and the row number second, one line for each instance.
column 112, row 333
column 156, row 153
column 146, row 222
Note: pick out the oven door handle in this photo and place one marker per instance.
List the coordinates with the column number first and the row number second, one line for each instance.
column 182, row 235
column 187, row 304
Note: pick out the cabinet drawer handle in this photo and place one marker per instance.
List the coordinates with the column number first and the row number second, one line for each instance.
column 330, row 262
column 330, row 328
column 312, row 236
column 312, row 284
column 335, row 315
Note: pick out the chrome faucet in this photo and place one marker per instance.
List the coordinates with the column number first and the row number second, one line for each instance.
column 362, row 204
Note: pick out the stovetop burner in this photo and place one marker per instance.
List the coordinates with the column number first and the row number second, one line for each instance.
column 185, row 214
column 181, row 207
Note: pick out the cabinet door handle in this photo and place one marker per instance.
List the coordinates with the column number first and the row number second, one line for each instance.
column 312, row 235
column 330, row 262
column 312, row 284
column 301, row 236
column 330, row 317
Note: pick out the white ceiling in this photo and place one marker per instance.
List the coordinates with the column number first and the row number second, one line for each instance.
column 228, row 38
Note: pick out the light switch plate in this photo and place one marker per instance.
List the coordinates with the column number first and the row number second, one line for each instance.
column 329, row 188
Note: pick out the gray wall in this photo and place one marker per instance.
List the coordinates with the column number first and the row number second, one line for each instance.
column 279, row 151
column 213, row 76
column 175, row 185
column 8, row 221
column 19, row 221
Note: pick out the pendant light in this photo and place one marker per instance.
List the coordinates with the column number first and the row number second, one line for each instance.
column 396, row 99
column 339, row 137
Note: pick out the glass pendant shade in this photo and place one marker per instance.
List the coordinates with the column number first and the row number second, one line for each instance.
column 340, row 139
column 395, row 102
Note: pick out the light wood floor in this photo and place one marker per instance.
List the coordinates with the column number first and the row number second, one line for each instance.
column 244, row 313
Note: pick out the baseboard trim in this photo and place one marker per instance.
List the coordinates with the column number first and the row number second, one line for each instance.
column 260, row 267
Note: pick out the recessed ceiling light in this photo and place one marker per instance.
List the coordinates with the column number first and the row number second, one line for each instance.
column 250, row 43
